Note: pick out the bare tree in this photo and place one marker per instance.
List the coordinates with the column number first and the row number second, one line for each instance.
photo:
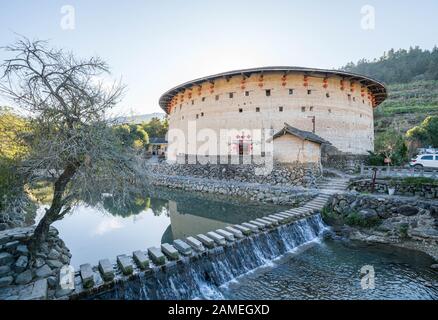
column 71, row 136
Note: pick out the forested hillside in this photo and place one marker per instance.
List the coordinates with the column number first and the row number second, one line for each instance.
column 412, row 80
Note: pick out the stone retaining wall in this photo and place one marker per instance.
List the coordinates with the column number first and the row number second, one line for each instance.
column 428, row 191
column 19, row 274
column 279, row 195
column 282, row 174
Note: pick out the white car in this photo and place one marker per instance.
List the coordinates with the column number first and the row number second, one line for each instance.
column 425, row 160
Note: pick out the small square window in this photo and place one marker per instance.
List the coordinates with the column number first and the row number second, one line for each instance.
column 203, row 99
column 354, row 98
column 240, row 110
column 330, row 110
column 303, row 109
column 193, row 102
column 231, row 95
column 280, row 109
column 309, row 91
column 202, row 114
column 257, row 109
column 197, row 116
column 247, row 93
column 217, row 97
column 311, row 109
column 349, row 97
column 268, row 92
column 327, row 95
column 291, row 91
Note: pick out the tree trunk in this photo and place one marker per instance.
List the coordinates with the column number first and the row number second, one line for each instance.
column 52, row 214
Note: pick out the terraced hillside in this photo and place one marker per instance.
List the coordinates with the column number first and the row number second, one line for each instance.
column 408, row 105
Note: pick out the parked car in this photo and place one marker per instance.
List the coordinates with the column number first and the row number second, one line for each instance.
column 425, row 160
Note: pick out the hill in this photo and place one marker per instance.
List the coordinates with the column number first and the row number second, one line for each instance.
column 137, row 119
column 412, row 80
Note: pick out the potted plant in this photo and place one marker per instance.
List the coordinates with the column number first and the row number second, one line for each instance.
column 391, row 187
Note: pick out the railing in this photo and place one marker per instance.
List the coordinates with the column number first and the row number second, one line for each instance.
column 389, row 171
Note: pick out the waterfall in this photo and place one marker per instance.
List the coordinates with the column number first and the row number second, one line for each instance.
column 201, row 277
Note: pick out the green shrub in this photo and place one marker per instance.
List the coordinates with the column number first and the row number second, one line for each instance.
column 355, row 220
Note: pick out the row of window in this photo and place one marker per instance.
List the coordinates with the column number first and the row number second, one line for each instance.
column 268, row 94
column 280, row 109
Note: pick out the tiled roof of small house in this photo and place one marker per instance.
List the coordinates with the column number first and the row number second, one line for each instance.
column 305, row 135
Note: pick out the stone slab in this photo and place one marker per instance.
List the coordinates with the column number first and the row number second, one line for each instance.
column 245, row 230
column 125, row 264
column 141, row 259
column 220, row 240
column 206, row 241
column 236, row 233
column 251, row 226
column 170, row 251
column 106, row 269
column 87, row 275
column 259, row 224
column 226, row 234
column 182, row 247
column 195, row 244
column 156, row 256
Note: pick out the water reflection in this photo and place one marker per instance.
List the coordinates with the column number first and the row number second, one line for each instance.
column 160, row 215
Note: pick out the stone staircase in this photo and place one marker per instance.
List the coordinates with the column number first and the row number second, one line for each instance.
column 328, row 186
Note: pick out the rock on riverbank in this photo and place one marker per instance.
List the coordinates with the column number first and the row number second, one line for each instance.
column 408, row 223
column 26, row 277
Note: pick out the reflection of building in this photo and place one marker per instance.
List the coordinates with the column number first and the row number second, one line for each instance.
column 184, row 225
column 157, row 146
column 337, row 106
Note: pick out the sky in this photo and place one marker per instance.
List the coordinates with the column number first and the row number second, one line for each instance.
column 155, row 45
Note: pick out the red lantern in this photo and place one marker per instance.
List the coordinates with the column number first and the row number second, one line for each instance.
column 342, row 84
column 352, row 86
column 305, row 79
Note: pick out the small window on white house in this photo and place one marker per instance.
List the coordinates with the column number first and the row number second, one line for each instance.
column 349, row 97
column 197, row 116
column 257, row 109
column 202, row 114
column 193, row 102
column 240, row 110
column 330, row 110
column 303, row 109
column 247, row 93
column 311, row 109
column 309, row 91
column 203, row 99
column 327, row 95
column 280, row 109
column 291, row 91
column 268, row 92
column 217, row 97
column 231, row 95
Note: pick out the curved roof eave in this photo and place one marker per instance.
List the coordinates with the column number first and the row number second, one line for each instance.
column 378, row 88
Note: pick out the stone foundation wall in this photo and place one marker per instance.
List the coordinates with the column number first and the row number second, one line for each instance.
column 428, row 191
column 19, row 273
column 349, row 163
column 282, row 174
column 279, row 195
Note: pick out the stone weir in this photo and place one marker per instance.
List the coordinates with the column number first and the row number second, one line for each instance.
column 195, row 267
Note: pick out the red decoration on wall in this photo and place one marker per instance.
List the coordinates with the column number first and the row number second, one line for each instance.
column 342, row 85
column 260, row 81
column 305, row 79
column 352, row 86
